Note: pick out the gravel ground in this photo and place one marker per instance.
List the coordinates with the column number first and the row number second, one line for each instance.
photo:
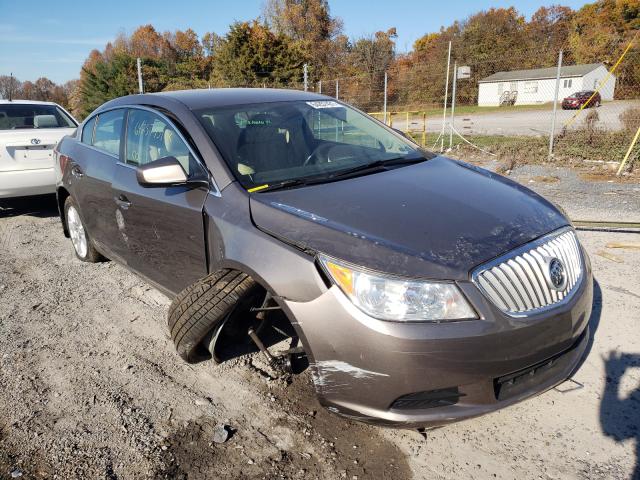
column 91, row 387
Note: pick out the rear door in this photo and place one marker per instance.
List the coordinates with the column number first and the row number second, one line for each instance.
column 28, row 133
column 92, row 168
column 162, row 227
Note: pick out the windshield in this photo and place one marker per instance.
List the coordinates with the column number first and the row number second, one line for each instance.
column 15, row 116
column 276, row 142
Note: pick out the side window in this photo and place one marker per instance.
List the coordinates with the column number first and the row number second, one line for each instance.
column 107, row 132
column 87, row 131
column 150, row 137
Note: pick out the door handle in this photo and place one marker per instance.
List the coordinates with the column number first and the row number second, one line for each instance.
column 122, row 201
column 76, row 171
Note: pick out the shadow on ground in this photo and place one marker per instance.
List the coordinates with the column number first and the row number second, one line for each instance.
column 41, row 206
column 620, row 415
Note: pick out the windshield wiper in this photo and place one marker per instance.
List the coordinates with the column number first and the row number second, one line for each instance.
column 280, row 185
column 378, row 165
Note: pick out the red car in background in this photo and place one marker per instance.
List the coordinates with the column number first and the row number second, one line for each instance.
column 576, row 100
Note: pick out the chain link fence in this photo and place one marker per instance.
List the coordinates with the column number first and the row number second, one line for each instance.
column 493, row 105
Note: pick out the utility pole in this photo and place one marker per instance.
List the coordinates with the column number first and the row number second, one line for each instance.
column 10, row 86
column 384, row 109
column 319, row 86
column 446, row 93
column 453, row 103
column 337, row 88
column 555, row 105
column 140, row 89
column 305, row 69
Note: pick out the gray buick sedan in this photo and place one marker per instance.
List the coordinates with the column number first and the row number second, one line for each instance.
column 420, row 290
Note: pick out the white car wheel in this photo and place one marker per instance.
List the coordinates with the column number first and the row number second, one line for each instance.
column 76, row 230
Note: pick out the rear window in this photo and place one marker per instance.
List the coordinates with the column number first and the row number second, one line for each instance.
column 15, row 116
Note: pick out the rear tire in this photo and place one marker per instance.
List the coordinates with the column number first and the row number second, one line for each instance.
column 203, row 306
column 82, row 244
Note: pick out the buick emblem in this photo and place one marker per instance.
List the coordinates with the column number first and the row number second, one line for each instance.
column 35, row 141
column 557, row 276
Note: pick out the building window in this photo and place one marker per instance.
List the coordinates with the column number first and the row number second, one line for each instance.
column 567, row 83
column 530, row 87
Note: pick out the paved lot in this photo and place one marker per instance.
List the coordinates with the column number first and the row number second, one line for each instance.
column 90, row 387
column 523, row 123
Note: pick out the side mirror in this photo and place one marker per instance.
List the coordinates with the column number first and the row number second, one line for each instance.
column 164, row 172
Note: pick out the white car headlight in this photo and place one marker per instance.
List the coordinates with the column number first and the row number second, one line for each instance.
column 392, row 298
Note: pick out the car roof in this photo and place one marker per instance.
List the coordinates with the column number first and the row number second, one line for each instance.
column 223, row 97
column 32, row 102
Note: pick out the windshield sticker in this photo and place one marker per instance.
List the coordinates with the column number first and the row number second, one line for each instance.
column 325, row 104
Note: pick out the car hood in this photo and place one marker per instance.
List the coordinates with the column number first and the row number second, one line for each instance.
column 437, row 219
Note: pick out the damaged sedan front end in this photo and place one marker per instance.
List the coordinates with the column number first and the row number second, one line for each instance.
column 443, row 316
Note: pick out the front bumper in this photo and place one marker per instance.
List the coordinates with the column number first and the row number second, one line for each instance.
column 361, row 365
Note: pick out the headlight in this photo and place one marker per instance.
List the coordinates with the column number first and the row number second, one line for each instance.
column 389, row 298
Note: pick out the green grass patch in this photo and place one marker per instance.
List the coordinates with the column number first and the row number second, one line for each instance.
column 571, row 147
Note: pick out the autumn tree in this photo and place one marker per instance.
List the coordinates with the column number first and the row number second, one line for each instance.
column 310, row 26
column 601, row 31
column 9, row 86
column 252, row 55
column 369, row 58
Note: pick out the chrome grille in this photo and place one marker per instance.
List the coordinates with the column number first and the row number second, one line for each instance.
column 519, row 283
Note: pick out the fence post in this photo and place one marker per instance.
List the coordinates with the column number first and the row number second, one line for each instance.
column 555, row 105
column 384, row 107
column 140, row 89
column 305, row 70
column 446, row 92
column 337, row 88
column 453, row 103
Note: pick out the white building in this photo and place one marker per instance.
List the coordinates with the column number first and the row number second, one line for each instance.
column 529, row 87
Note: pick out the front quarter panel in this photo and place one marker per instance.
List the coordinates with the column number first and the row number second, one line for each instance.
column 235, row 242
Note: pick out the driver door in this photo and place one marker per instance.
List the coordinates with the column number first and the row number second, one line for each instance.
column 162, row 228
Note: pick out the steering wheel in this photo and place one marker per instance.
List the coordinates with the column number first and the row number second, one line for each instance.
column 316, row 151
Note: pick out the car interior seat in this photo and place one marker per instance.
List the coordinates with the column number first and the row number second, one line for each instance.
column 261, row 146
column 45, row 121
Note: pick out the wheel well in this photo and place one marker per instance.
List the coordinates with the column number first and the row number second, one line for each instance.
column 240, row 320
column 61, row 195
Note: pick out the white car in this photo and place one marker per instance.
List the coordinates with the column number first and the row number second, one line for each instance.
column 29, row 131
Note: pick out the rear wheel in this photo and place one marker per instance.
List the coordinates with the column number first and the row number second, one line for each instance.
column 82, row 244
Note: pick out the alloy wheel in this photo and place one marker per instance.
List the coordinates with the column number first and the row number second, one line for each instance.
column 76, row 230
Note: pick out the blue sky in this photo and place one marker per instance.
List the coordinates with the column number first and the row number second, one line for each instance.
column 53, row 38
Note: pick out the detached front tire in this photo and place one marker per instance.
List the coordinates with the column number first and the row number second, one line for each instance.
column 82, row 244
column 203, row 306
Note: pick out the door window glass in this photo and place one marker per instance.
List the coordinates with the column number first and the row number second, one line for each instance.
column 107, row 132
column 150, row 137
column 87, row 131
